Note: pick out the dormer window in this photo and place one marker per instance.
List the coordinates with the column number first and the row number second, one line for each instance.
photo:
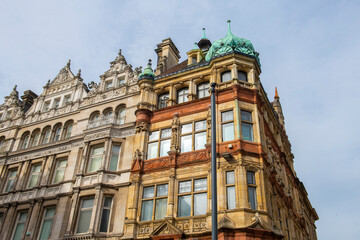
column 193, row 59
column 67, row 99
column 46, row 106
column 162, row 100
column 108, row 85
column 121, row 81
column 226, row 76
column 56, row 102
column 242, row 76
column 182, row 95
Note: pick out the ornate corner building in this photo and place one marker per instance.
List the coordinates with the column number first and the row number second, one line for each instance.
column 129, row 157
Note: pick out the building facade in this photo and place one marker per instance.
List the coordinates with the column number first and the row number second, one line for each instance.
column 129, row 157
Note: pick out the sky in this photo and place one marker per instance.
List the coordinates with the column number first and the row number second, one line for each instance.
column 309, row 50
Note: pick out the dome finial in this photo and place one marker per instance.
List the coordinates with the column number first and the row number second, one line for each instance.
column 196, row 45
column 204, row 36
column 229, row 28
column 276, row 94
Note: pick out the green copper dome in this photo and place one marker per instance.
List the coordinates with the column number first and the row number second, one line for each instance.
column 148, row 72
column 232, row 43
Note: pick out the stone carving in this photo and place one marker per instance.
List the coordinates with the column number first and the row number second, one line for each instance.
column 175, row 133
column 199, row 225
column 141, row 126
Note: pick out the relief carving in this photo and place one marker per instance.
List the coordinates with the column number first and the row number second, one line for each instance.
column 175, row 133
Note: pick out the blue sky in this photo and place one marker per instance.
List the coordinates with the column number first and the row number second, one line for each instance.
column 308, row 49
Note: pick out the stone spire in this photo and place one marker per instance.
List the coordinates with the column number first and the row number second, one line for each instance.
column 277, row 107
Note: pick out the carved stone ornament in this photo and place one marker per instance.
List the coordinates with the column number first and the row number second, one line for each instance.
column 141, row 127
column 175, row 133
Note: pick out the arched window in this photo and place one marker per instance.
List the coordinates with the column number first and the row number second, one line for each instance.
column 121, row 115
column 57, row 133
column 68, row 129
column 162, row 100
column 95, row 117
column 226, row 76
column 108, row 116
column 182, row 95
column 25, row 140
column 242, row 76
column 46, row 135
column 35, row 138
column 203, row 90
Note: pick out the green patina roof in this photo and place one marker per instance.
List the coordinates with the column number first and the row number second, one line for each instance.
column 231, row 43
column 148, row 72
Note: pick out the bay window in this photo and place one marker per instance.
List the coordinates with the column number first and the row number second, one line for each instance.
column 154, row 202
column 227, row 126
column 159, row 143
column 192, row 197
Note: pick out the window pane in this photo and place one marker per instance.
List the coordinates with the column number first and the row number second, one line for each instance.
column 154, row 136
column 230, row 191
column 200, row 184
column 33, row 180
column 186, row 128
column 186, row 143
column 105, row 216
column 200, row 204
column 252, row 197
column 87, row 203
column 114, row 158
column 152, row 150
column 160, row 208
column 47, row 223
column 251, row 177
column 247, row 133
column 162, row 190
column 200, row 140
column 148, row 192
column 242, row 76
column 146, row 210
column 95, row 163
column 201, row 125
column 50, row 212
column 228, row 132
column 230, row 177
column 164, row 147
column 59, row 175
column 246, row 116
column 18, row 231
column 107, row 201
column 184, row 208
column 9, row 185
column 203, row 90
column 84, row 221
column 227, row 116
column 185, row 187
column 166, row 133
column 226, row 76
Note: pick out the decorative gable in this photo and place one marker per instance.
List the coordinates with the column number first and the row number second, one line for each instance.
column 65, row 75
column 166, row 231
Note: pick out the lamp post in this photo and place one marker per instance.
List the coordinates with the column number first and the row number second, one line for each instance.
column 214, row 221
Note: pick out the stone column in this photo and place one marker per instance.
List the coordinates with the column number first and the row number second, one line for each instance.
column 171, row 195
column 234, row 72
column 20, row 180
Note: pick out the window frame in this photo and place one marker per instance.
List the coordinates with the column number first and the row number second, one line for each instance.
column 247, row 123
column 46, row 135
column 226, row 123
column 8, row 176
column 25, row 141
column 204, row 90
column 230, row 185
column 154, row 200
column 192, row 193
column 102, row 212
column 193, row 134
column 121, row 114
column 32, row 172
column 44, row 218
column 57, row 133
column 163, row 103
column 252, row 186
column 113, row 154
column 224, row 74
column 242, row 72
column 80, row 210
column 158, row 140
column 56, row 169
column 18, row 221
column 90, row 157
column 182, row 93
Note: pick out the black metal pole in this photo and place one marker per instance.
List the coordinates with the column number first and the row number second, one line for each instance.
column 214, row 221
